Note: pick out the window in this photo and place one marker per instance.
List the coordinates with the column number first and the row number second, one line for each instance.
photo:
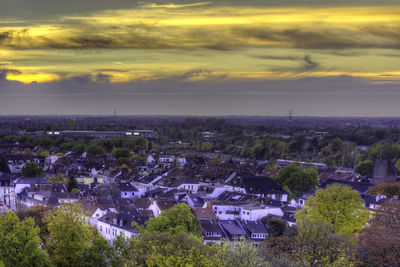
column 244, row 212
column 101, row 228
column 126, row 193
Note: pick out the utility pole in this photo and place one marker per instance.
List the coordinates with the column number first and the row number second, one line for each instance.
column 355, row 159
column 290, row 114
column 344, row 151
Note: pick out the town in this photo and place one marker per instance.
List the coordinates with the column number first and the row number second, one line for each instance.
column 122, row 178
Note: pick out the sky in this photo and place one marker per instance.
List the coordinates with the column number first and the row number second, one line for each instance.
column 225, row 57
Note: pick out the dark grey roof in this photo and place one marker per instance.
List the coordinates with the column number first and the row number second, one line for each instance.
column 197, row 201
column 6, row 179
column 288, row 217
column 232, row 228
column 254, row 227
column 274, row 203
column 127, row 187
column 32, row 180
column 359, row 187
column 369, row 200
column 210, row 226
column 262, row 185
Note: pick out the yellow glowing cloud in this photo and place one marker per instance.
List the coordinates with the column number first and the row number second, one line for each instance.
column 32, row 77
column 161, row 41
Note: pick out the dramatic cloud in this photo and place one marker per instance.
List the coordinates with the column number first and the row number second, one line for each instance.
column 140, row 48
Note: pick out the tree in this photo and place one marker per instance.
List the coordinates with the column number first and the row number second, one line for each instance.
column 66, row 146
column 297, row 179
column 120, row 153
column 95, row 150
column 139, row 158
column 44, row 154
column 4, row 165
column 389, row 190
column 46, row 142
column 164, row 249
column 99, row 254
column 339, row 206
column 365, row 168
column 380, row 241
column 275, row 248
column 38, row 213
column 69, row 234
column 27, row 151
column 72, row 184
column 336, row 145
column 30, row 169
column 277, row 227
column 178, row 219
column 20, row 242
column 79, row 148
column 57, row 179
column 317, row 244
column 237, row 255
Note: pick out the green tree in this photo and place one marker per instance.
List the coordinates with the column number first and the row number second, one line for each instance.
column 69, row 234
column 276, row 249
column 139, row 158
column 178, row 219
column 79, row 148
column 277, row 227
column 237, row 255
column 316, row 244
column 95, row 150
column 97, row 255
column 72, row 184
column 20, row 242
column 297, row 179
column 44, row 154
column 336, row 145
column 30, row 169
column 38, row 213
column 4, row 165
column 339, row 206
column 164, row 249
column 120, row 153
column 365, row 168
column 389, row 190
column 67, row 146
column 57, row 179
column 46, row 142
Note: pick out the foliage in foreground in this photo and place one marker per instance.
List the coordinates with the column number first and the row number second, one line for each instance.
column 68, row 240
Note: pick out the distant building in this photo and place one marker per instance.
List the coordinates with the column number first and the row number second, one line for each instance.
column 106, row 134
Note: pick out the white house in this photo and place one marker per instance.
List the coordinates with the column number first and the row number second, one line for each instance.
column 253, row 212
column 112, row 225
column 7, row 189
column 226, row 211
